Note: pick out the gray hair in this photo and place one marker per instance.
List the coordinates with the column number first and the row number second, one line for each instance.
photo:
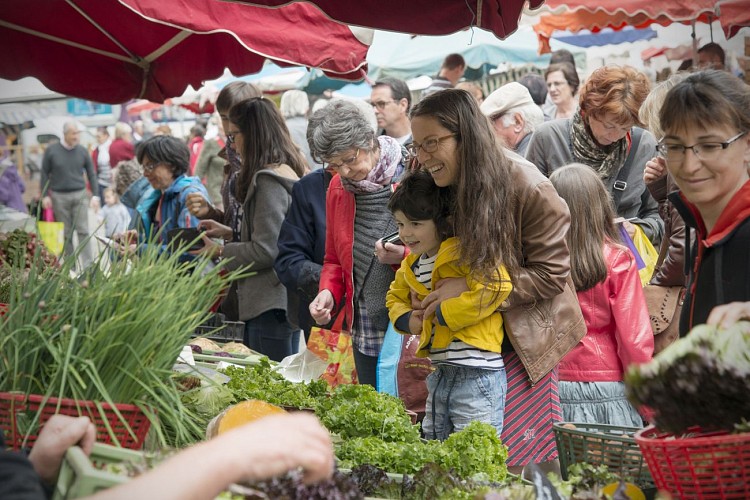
column 122, row 129
column 340, row 126
column 531, row 113
column 71, row 126
column 294, row 103
column 126, row 173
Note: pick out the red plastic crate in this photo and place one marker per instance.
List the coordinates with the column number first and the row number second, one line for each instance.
column 15, row 407
column 699, row 466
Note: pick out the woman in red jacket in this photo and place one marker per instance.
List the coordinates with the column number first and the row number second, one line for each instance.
column 356, row 275
column 618, row 329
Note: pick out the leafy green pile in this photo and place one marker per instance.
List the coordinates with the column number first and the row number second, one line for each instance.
column 261, row 382
column 355, row 410
column 474, row 451
column 434, row 482
column 702, row 379
column 23, row 250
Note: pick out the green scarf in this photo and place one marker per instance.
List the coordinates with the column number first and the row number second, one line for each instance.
column 605, row 160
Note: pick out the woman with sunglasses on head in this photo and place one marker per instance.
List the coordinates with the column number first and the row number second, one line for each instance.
column 356, row 274
column 271, row 164
column 603, row 135
column 506, row 213
column 706, row 149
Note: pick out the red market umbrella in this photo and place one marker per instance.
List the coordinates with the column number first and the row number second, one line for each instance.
column 114, row 50
column 734, row 15
column 594, row 15
column 421, row 17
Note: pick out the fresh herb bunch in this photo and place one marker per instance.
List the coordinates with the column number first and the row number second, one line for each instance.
column 110, row 337
column 261, row 382
column 357, row 410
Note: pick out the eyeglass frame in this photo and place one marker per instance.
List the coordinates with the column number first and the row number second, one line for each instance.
column 413, row 148
column 382, row 104
column 661, row 146
column 348, row 162
column 150, row 167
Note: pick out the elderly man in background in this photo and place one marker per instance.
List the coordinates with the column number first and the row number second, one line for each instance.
column 391, row 100
column 64, row 188
column 514, row 115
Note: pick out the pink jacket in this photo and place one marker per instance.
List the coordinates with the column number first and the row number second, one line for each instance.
column 618, row 329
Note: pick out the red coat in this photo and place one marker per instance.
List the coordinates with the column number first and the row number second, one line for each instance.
column 120, row 150
column 618, row 329
column 338, row 264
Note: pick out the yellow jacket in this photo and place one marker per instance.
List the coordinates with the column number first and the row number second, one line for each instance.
column 472, row 317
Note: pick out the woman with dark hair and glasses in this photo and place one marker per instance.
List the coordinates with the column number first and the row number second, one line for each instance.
column 356, row 271
column 706, row 149
column 271, row 164
column 165, row 161
column 506, row 213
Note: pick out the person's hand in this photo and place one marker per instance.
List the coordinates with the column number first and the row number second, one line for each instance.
column 446, row 288
column 388, row 253
column 197, row 205
column 214, row 229
column 655, row 169
column 415, row 322
column 210, row 248
column 726, row 315
column 126, row 242
column 95, row 204
column 322, row 307
column 46, row 202
column 629, row 226
column 58, row 434
column 274, row 445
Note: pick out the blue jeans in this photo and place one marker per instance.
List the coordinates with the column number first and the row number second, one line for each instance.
column 459, row 395
column 367, row 368
column 272, row 334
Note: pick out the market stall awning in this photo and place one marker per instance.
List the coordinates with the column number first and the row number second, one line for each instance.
column 153, row 49
column 595, row 15
column 607, row 36
column 734, row 15
column 16, row 114
column 421, row 17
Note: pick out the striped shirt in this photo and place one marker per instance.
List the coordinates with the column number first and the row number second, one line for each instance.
column 457, row 353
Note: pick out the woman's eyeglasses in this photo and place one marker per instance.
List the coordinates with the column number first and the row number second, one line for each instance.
column 703, row 150
column 348, row 162
column 428, row 146
column 150, row 167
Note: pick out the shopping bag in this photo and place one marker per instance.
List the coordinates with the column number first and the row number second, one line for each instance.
column 645, row 254
column 400, row 372
column 390, row 353
column 51, row 233
column 334, row 346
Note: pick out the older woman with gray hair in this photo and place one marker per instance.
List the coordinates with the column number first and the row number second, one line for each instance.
column 355, row 279
column 135, row 193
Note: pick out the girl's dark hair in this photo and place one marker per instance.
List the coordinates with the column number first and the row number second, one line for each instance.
column 419, row 198
column 234, row 93
column 592, row 224
column 484, row 206
column 266, row 141
column 168, row 150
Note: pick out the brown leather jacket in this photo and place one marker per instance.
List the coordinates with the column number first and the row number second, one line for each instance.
column 541, row 317
column 671, row 271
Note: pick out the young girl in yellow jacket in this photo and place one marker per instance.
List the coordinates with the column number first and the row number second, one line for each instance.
column 463, row 337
